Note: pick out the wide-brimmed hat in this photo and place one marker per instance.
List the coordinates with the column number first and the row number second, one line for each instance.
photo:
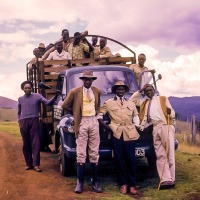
column 88, row 74
column 117, row 84
column 41, row 45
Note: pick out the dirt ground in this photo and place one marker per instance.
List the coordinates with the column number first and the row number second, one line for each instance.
column 17, row 183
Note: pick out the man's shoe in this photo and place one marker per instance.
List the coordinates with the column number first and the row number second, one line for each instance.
column 28, row 167
column 97, row 188
column 123, row 189
column 79, row 187
column 132, row 190
column 37, row 169
column 167, row 185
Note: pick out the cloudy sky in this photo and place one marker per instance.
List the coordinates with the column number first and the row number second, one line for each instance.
column 166, row 31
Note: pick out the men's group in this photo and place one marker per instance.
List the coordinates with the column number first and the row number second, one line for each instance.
column 84, row 104
column 72, row 48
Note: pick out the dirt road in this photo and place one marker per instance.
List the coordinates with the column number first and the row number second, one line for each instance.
column 17, row 183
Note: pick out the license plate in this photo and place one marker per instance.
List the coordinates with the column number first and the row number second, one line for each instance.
column 139, row 152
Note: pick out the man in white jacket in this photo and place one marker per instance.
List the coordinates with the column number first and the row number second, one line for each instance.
column 157, row 110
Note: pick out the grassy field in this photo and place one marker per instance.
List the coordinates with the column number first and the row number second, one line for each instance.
column 7, row 114
column 11, row 128
column 187, row 175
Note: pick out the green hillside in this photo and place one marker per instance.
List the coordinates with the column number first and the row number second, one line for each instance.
column 8, row 114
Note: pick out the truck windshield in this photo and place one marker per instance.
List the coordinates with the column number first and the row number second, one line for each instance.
column 105, row 80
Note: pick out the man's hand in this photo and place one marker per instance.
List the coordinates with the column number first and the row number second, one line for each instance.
column 97, row 58
column 169, row 111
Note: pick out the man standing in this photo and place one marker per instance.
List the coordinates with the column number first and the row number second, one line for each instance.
column 84, row 103
column 138, row 68
column 28, row 116
column 123, row 113
column 157, row 110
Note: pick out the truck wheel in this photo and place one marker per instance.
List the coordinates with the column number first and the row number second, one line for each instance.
column 152, row 162
column 66, row 164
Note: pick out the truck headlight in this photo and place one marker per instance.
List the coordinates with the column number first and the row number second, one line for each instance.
column 67, row 123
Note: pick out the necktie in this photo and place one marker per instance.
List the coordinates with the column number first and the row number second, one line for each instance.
column 88, row 95
column 121, row 101
column 148, row 112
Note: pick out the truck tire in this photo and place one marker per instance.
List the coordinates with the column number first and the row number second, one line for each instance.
column 66, row 164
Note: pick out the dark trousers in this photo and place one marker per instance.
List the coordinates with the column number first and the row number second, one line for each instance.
column 125, row 161
column 29, row 129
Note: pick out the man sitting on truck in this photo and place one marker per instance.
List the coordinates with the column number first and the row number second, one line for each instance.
column 95, row 52
column 84, row 103
column 104, row 51
column 77, row 48
column 65, row 41
column 138, row 68
column 59, row 54
column 32, row 63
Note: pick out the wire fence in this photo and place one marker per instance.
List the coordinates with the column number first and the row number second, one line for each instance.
column 188, row 132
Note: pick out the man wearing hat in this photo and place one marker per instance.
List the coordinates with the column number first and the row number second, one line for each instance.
column 28, row 118
column 124, row 118
column 84, row 103
column 157, row 110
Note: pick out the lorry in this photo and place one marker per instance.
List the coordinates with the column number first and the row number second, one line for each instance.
column 56, row 126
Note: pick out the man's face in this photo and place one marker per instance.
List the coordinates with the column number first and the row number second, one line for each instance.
column 27, row 89
column 94, row 41
column 141, row 60
column 87, row 82
column 120, row 91
column 59, row 47
column 41, row 49
column 102, row 43
column 77, row 40
column 36, row 52
column 65, row 35
column 149, row 92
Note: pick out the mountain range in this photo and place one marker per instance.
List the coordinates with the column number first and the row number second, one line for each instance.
column 184, row 107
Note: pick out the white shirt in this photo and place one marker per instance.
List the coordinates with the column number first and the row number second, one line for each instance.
column 154, row 110
column 59, row 56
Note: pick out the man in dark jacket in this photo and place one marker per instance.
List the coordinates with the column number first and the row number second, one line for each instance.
column 84, row 103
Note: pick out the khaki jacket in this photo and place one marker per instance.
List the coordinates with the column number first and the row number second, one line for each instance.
column 121, row 118
column 74, row 102
column 163, row 104
column 137, row 70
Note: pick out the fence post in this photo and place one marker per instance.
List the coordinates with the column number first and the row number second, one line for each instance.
column 193, row 129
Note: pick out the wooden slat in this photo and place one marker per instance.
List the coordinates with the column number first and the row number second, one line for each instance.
column 89, row 60
column 54, row 77
column 53, row 69
column 49, row 114
column 51, row 83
